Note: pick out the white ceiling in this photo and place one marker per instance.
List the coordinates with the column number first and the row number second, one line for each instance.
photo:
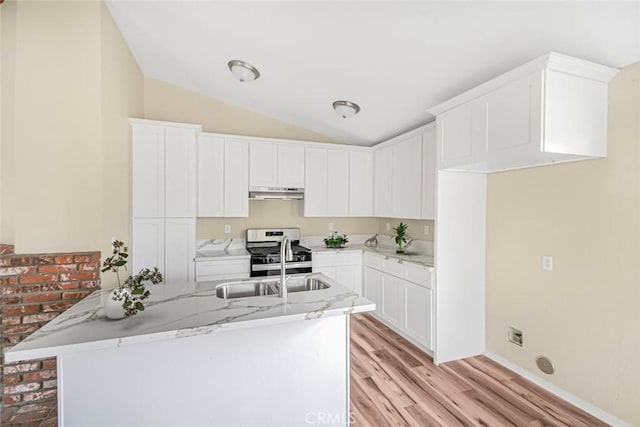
column 394, row 59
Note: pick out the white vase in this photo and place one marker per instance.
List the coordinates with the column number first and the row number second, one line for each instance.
column 113, row 304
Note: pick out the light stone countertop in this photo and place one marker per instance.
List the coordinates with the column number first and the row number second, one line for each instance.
column 414, row 257
column 180, row 311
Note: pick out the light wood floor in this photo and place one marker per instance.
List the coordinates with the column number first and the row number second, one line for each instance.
column 393, row 383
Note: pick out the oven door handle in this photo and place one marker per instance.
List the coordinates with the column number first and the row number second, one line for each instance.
column 266, row 267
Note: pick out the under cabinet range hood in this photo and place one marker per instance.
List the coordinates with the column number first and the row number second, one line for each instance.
column 277, row 193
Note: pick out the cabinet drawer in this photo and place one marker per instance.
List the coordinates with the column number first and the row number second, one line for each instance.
column 216, row 268
column 373, row 261
column 336, row 259
column 229, row 276
column 413, row 273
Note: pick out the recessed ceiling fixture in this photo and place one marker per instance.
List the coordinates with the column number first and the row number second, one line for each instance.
column 346, row 108
column 244, row 71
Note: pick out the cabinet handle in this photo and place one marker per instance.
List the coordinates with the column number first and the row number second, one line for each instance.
column 400, row 261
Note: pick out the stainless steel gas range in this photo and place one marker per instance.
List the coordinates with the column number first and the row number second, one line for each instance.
column 264, row 247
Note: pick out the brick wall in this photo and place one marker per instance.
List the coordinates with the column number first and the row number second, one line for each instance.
column 35, row 289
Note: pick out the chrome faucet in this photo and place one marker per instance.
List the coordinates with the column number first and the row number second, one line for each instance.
column 286, row 254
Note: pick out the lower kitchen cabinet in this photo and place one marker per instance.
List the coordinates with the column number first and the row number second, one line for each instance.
column 218, row 269
column 344, row 267
column 403, row 296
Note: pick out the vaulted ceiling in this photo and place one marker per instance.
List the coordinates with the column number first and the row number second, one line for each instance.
column 395, row 59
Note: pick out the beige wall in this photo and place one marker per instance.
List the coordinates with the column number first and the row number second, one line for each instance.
column 415, row 227
column 69, row 84
column 164, row 101
column 585, row 314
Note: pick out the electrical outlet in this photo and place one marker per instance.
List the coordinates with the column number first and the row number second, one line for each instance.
column 515, row 336
column 547, row 263
column 330, row 226
column 388, row 226
column 426, row 230
column 227, row 228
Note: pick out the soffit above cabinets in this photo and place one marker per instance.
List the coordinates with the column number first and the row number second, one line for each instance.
column 396, row 60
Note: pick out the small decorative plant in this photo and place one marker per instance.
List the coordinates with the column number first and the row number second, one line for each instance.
column 401, row 236
column 335, row 240
column 132, row 291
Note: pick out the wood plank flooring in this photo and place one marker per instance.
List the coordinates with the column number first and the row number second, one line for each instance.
column 393, row 383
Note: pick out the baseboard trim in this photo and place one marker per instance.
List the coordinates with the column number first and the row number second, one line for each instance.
column 576, row 401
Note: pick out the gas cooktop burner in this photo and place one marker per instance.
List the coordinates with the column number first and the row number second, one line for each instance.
column 275, row 250
column 264, row 247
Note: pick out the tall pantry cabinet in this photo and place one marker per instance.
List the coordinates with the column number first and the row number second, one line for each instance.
column 163, row 182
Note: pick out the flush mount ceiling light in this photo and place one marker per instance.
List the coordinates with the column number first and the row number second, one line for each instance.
column 243, row 71
column 346, row 108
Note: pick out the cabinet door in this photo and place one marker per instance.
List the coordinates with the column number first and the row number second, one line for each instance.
column 210, row 176
column 383, row 182
column 290, row 166
column 360, row 183
column 326, row 270
column 263, row 164
column 236, row 179
column 179, row 250
column 337, row 183
column 180, row 173
column 372, row 287
column 429, row 173
column 462, row 135
column 407, row 177
column 351, row 277
column 147, row 178
column 147, row 244
column 315, row 191
column 417, row 313
column 391, row 310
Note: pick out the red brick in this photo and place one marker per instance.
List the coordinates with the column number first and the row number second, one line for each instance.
column 10, row 379
column 49, row 363
column 89, row 275
column 22, row 419
column 75, row 295
column 90, row 257
column 63, row 259
column 21, row 260
column 42, row 317
column 19, row 329
column 8, row 280
column 90, row 284
column 64, row 286
column 8, row 311
column 29, row 289
column 15, row 368
column 14, row 271
column 52, row 421
column 21, row 388
column 50, row 384
column 9, row 341
column 13, row 299
column 8, row 400
column 39, row 375
column 93, row 266
column 58, row 306
column 56, row 268
column 41, row 297
column 40, row 395
column 6, row 249
column 11, row 320
column 39, row 278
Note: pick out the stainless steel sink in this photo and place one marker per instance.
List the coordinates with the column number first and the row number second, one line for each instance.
column 303, row 284
column 267, row 287
column 246, row 289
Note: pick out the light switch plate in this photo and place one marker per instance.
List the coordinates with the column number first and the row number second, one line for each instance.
column 547, row 263
column 227, row 228
column 330, row 226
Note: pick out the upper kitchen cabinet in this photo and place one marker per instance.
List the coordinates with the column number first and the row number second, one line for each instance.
column 550, row 110
column 360, row 183
column 163, row 169
column 223, row 177
column 276, row 165
column 404, row 175
column 326, row 182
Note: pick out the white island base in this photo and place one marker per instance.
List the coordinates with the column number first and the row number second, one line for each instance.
column 287, row 374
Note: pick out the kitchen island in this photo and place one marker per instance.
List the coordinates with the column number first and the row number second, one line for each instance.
column 193, row 358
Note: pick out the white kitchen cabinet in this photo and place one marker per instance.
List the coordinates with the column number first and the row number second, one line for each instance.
column 221, row 268
column 236, row 178
column 179, row 250
column 210, row 176
column 360, row 183
column 407, row 178
column 180, row 172
column 383, row 182
column 223, row 177
column 337, row 183
column 429, row 173
column 147, row 244
column 550, row 110
column 343, row 266
column 276, row 165
column 147, row 177
column 316, row 183
column 403, row 295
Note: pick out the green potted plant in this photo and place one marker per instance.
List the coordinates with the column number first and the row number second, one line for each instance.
column 126, row 299
column 336, row 240
column 401, row 237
